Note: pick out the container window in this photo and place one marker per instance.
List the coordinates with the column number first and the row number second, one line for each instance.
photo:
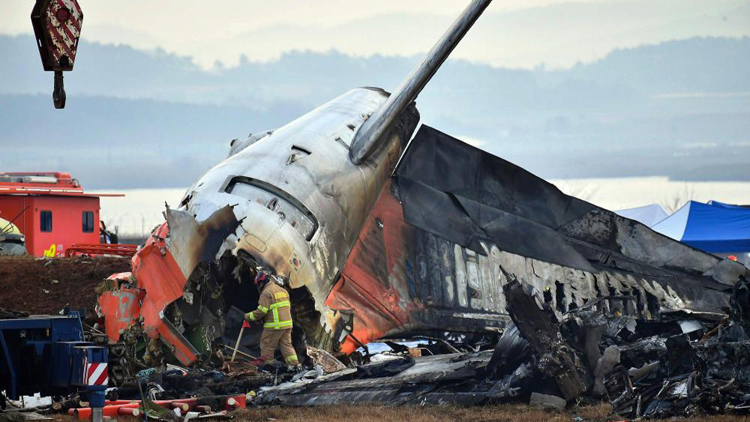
column 45, row 221
column 88, row 221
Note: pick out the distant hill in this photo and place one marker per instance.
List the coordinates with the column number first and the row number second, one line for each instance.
column 696, row 64
column 121, row 143
column 138, row 118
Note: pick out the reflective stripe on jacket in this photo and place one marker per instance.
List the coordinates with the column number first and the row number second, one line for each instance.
column 275, row 299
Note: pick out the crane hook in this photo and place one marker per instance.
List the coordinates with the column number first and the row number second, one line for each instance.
column 58, row 94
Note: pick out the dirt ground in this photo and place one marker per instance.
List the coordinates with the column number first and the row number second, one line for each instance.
column 507, row 412
column 421, row 414
column 491, row 413
column 46, row 286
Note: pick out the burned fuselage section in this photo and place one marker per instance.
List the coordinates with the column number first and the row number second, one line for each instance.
column 434, row 255
column 300, row 204
column 429, row 254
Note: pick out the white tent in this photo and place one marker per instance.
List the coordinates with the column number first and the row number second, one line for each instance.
column 648, row 215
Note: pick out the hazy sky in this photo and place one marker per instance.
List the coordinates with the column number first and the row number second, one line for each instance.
column 514, row 33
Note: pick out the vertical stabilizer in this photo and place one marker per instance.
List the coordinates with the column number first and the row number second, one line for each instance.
column 373, row 130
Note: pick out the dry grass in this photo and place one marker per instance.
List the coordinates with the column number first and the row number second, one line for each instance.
column 372, row 413
column 519, row 413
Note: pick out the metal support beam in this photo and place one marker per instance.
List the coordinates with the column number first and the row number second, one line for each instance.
column 9, row 362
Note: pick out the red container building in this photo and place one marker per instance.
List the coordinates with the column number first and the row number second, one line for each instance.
column 51, row 210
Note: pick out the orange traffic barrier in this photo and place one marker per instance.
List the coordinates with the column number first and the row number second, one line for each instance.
column 236, row 401
column 81, row 413
column 116, row 402
column 84, row 413
column 114, row 408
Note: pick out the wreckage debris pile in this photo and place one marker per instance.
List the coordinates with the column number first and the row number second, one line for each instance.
column 680, row 364
column 46, row 286
column 683, row 364
column 174, row 383
column 676, row 363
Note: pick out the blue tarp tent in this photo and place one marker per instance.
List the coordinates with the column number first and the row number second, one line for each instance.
column 724, row 205
column 713, row 228
column 647, row 215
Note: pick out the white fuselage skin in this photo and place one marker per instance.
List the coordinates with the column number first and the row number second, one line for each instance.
column 338, row 193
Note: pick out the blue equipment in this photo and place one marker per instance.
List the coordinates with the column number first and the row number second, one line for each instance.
column 47, row 354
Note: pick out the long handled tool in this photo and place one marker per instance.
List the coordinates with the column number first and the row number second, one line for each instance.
column 239, row 337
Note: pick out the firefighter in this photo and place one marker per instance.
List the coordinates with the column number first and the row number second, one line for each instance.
column 274, row 310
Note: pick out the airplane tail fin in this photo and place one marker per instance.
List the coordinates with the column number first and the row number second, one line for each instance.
column 372, row 132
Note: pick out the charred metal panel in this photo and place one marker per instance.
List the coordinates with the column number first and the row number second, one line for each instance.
column 191, row 243
column 436, row 259
column 162, row 269
column 465, row 195
column 160, row 276
column 560, row 362
column 377, row 285
column 435, row 379
column 566, row 247
column 481, row 197
column 123, row 308
column 466, row 222
column 400, row 280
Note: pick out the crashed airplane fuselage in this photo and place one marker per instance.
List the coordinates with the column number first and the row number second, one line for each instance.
column 300, row 200
column 374, row 239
